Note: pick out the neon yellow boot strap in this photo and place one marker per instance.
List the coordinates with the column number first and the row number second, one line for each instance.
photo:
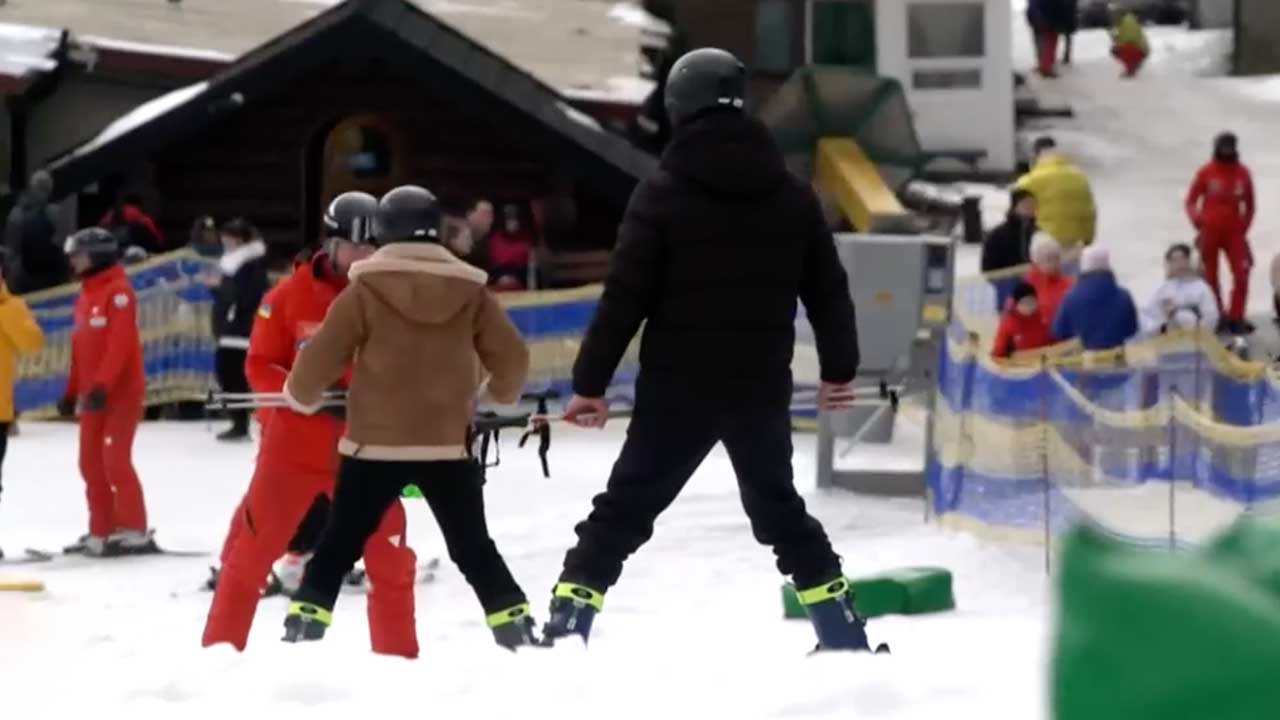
column 581, row 594
column 510, row 615
column 315, row 612
column 814, row 595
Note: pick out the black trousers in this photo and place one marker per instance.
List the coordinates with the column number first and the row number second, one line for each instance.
column 4, row 448
column 672, row 430
column 366, row 488
column 228, row 366
column 311, row 529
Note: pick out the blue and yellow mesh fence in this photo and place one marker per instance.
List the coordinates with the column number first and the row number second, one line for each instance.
column 178, row 347
column 1164, row 440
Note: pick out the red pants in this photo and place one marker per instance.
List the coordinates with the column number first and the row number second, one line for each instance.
column 266, row 519
column 1048, row 52
column 1130, row 56
column 106, row 464
column 1232, row 242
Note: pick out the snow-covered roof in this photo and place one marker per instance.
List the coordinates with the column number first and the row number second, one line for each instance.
column 25, row 49
column 564, row 43
column 140, row 116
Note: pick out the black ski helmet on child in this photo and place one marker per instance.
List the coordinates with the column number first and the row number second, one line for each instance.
column 102, row 247
column 350, row 217
column 702, row 80
column 408, row 213
column 1226, row 146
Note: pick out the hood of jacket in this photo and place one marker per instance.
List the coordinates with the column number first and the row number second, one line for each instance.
column 727, row 153
column 421, row 282
column 230, row 263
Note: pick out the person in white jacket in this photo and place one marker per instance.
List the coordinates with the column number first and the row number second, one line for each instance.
column 1185, row 301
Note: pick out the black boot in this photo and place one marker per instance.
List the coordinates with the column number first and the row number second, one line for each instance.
column 235, row 434
column 306, row 623
column 514, row 627
column 835, row 620
column 573, row 608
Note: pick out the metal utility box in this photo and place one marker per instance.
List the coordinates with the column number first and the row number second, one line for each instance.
column 901, row 287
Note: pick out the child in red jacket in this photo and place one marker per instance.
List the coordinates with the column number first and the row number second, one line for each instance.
column 1021, row 326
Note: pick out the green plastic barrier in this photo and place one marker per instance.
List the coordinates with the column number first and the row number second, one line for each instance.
column 908, row 591
column 1152, row 635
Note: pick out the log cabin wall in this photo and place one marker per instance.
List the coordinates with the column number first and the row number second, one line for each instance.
column 262, row 160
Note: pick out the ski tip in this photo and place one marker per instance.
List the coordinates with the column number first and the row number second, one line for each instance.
column 29, row 586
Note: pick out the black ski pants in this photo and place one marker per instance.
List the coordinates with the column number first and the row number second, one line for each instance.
column 672, row 430
column 453, row 490
column 228, row 366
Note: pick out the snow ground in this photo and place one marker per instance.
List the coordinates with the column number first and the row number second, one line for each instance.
column 694, row 628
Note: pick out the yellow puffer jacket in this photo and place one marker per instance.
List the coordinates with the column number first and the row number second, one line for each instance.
column 19, row 333
column 1064, row 200
column 1129, row 32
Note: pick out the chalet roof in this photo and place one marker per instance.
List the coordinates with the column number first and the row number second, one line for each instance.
column 393, row 30
column 587, row 45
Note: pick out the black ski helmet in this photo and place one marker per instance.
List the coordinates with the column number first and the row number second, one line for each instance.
column 408, row 214
column 350, row 217
column 705, row 79
column 102, row 247
column 1226, row 143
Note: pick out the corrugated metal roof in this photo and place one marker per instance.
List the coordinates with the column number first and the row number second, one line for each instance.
column 568, row 44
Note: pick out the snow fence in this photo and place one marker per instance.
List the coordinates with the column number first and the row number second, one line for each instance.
column 178, row 346
column 1164, row 441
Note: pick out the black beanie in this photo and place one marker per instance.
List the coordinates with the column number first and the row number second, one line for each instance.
column 1022, row 290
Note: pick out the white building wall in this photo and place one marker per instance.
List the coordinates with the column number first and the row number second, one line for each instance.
column 956, row 119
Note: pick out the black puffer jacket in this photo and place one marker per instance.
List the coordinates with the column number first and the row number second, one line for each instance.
column 235, row 301
column 712, row 255
column 1009, row 244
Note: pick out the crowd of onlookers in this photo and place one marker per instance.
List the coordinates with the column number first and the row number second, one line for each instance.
column 1052, row 211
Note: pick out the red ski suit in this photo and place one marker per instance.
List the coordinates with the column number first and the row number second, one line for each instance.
column 298, row 460
column 106, row 355
column 1220, row 205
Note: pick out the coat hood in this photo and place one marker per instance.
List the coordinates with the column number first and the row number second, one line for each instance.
column 421, row 282
column 727, row 153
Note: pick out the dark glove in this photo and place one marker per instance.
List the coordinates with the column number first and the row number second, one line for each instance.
column 337, row 411
column 96, row 399
column 67, row 406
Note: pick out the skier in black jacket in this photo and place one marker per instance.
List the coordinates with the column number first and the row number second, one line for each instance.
column 239, row 290
column 713, row 252
column 1009, row 244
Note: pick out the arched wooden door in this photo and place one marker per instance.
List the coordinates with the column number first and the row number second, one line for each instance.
column 367, row 152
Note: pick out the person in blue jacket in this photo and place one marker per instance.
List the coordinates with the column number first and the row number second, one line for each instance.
column 1097, row 310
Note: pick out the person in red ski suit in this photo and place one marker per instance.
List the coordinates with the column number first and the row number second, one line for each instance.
column 298, row 460
column 105, row 384
column 1221, row 207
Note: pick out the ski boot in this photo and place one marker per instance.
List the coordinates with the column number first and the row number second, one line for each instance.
column 514, row 627
column 573, row 607
column 131, row 542
column 288, row 573
column 89, row 545
column 234, row 435
column 834, row 618
column 306, row 623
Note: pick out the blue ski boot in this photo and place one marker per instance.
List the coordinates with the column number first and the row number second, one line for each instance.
column 573, row 607
column 834, row 618
column 306, row 622
column 514, row 627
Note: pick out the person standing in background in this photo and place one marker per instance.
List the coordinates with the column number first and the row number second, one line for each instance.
column 1221, row 206
column 1008, row 245
column 19, row 334
column 1064, row 200
column 1022, row 327
column 32, row 240
column 132, row 225
column 510, row 250
column 106, row 385
column 204, row 238
column 1097, row 310
column 1185, row 301
column 243, row 282
column 1046, row 276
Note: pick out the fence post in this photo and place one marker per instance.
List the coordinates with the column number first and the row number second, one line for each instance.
column 1044, row 462
column 1173, row 467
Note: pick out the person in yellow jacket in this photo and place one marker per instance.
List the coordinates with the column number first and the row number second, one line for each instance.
column 1064, row 200
column 1129, row 44
column 19, row 333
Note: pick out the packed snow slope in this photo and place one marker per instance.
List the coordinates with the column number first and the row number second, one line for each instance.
column 693, row 630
